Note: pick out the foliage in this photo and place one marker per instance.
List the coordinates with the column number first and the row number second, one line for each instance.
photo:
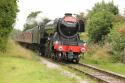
column 99, row 20
column 117, row 38
column 15, row 50
column 81, row 16
column 118, row 20
column 103, row 6
column 29, row 26
column 31, row 22
column 106, row 6
column 99, row 25
column 33, row 15
column 45, row 21
column 8, row 10
column 96, row 54
column 19, row 65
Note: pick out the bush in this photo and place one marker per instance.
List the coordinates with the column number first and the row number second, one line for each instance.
column 117, row 40
column 8, row 11
column 110, row 7
column 96, row 55
column 99, row 25
column 99, row 20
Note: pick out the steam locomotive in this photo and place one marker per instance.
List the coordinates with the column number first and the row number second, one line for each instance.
column 58, row 39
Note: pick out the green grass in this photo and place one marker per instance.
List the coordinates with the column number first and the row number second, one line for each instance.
column 18, row 70
column 104, row 63
column 114, row 67
column 19, row 65
column 98, row 56
column 15, row 50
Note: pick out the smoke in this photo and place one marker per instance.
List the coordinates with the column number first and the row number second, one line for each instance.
column 38, row 19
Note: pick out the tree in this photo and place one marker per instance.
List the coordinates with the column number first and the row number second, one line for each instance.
column 8, row 10
column 81, row 16
column 110, row 7
column 116, row 38
column 45, row 21
column 99, row 20
column 99, row 26
column 31, row 22
column 33, row 15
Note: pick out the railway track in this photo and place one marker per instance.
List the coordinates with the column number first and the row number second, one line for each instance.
column 101, row 75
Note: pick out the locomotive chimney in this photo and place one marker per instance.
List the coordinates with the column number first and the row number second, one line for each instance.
column 68, row 14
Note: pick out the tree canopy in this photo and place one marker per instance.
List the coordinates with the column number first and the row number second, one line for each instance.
column 8, row 10
column 116, row 38
column 103, row 6
column 99, row 20
column 31, row 22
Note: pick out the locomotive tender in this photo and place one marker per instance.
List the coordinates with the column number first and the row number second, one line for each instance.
column 58, row 39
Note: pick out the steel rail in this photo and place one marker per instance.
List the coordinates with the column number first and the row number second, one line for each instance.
column 101, row 75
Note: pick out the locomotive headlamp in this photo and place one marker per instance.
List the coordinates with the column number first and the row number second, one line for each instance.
column 60, row 48
column 83, row 49
column 84, row 44
column 56, row 42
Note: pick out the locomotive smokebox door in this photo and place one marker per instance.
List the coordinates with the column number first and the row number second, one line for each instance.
column 82, row 26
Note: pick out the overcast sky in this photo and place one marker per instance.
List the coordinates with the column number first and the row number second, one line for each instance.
column 56, row 8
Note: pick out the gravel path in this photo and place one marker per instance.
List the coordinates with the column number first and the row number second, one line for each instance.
column 63, row 71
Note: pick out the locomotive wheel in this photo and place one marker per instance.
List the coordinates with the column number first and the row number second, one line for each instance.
column 52, row 56
column 66, row 58
column 59, row 58
column 77, row 60
column 39, row 53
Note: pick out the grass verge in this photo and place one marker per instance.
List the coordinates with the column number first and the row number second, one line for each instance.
column 18, row 65
column 99, row 56
column 18, row 70
column 15, row 50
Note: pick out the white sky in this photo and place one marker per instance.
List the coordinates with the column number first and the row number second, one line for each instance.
column 56, row 8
